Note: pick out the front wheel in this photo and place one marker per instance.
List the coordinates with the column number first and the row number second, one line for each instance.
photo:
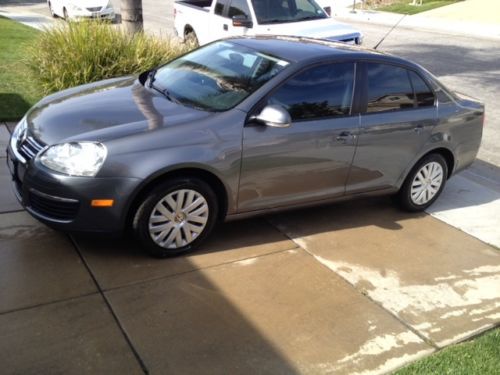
column 424, row 183
column 176, row 217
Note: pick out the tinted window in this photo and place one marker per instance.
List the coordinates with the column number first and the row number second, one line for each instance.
column 322, row 91
column 219, row 7
column 389, row 88
column 423, row 94
column 239, row 8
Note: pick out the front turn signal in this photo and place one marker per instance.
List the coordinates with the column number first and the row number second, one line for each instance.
column 102, row 202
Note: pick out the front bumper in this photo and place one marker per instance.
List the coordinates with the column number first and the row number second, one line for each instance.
column 105, row 14
column 64, row 202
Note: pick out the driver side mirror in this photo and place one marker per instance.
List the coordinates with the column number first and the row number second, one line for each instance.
column 275, row 116
column 242, row 21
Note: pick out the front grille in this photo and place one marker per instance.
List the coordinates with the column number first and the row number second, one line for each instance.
column 94, row 9
column 53, row 208
column 29, row 147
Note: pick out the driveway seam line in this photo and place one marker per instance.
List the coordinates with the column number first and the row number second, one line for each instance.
column 416, row 332
column 112, row 289
column 42, row 304
column 110, row 308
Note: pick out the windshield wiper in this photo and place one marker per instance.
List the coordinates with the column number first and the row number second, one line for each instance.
column 151, row 77
column 169, row 96
column 309, row 18
column 275, row 20
column 164, row 92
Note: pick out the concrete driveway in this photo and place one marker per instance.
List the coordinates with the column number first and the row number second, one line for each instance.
column 357, row 287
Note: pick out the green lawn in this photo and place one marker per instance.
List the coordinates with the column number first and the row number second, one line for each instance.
column 480, row 356
column 17, row 91
column 404, row 7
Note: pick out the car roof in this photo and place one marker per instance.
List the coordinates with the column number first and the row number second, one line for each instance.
column 301, row 49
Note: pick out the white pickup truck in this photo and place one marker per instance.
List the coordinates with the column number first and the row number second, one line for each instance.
column 204, row 21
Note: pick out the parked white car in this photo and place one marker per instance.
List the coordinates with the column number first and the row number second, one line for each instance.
column 207, row 20
column 78, row 9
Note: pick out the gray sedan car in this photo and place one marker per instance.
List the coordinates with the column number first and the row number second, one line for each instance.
column 237, row 128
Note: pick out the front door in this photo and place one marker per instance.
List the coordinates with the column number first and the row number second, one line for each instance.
column 310, row 160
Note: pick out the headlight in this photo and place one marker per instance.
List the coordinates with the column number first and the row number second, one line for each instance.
column 18, row 132
column 75, row 158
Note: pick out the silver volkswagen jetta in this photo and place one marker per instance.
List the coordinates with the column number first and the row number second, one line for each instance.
column 237, row 128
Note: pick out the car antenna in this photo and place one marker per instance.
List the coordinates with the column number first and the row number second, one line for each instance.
column 387, row 34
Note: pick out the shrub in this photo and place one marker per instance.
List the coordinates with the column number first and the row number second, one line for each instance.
column 75, row 53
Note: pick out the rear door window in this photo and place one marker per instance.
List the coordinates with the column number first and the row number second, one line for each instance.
column 389, row 88
column 423, row 94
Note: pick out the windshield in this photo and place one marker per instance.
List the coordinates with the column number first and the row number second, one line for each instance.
column 217, row 77
column 279, row 11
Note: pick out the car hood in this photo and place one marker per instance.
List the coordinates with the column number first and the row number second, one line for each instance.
column 105, row 110
column 323, row 29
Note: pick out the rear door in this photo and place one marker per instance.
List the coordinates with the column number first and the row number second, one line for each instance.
column 309, row 160
column 398, row 115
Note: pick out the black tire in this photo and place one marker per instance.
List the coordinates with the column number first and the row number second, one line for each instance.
column 142, row 215
column 191, row 38
column 404, row 198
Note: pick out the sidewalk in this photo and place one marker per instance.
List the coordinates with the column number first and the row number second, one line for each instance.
column 35, row 15
column 471, row 17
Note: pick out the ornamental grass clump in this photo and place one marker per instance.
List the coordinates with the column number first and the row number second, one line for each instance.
column 76, row 53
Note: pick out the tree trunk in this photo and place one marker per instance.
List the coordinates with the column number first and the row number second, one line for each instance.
column 131, row 11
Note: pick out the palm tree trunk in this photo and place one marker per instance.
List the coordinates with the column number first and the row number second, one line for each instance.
column 131, row 11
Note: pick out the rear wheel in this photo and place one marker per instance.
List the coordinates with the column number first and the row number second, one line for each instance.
column 176, row 217
column 424, row 183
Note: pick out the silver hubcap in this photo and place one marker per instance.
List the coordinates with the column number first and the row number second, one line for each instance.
column 426, row 183
column 178, row 219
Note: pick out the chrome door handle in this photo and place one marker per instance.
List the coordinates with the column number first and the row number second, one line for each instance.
column 418, row 129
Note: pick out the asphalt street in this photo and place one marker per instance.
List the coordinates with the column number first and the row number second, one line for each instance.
column 467, row 64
